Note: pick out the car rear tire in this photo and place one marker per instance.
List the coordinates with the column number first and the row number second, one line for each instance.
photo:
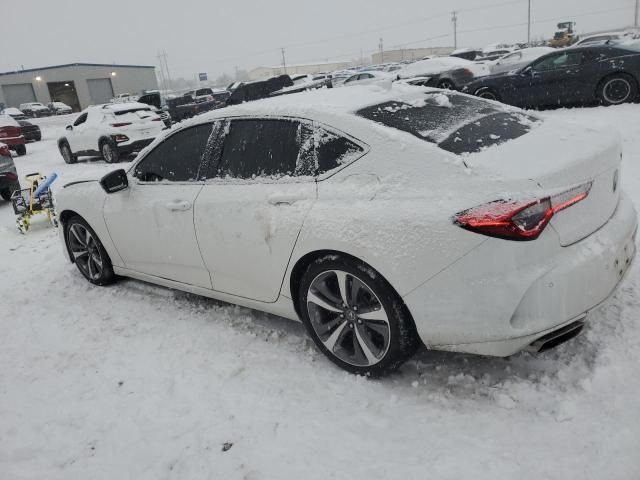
column 87, row 252
column 21, row 150
column 6, row 193
column 487, row 93
column 617, row 89
column 446, row 84
column 67, row 154
column 109, row 151
column 355, row 317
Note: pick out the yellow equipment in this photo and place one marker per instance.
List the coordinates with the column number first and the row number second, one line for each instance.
column 34, row 200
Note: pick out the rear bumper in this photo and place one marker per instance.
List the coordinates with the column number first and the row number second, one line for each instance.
column 8, row 178
column 500, row 298
column 13, row 141
column 134, row 146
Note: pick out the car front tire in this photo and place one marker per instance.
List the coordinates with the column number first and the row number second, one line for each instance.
column 487, row 93
column 355, row 317
column 87, row 252
column 67, row 154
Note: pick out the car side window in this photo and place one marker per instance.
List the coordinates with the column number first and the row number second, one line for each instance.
column 178, row 158
column 81, row 119
column 563, row 60
column 513, row 58
column 266, row 148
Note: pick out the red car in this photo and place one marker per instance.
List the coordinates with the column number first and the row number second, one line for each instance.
column 11, row 135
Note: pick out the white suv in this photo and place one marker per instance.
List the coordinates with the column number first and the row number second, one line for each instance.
column 110, row 130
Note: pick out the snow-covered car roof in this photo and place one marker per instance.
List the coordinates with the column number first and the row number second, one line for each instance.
column 7, row 121
column 12, row 111
column 325, row 102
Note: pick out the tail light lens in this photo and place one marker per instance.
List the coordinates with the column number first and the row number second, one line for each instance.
column 120, row 138
column 156, row 119
column 519, row 220
column 121, row 124
column 4, row 150
column 10, row 132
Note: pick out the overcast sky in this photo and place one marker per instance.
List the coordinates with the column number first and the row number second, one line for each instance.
column 215, row 36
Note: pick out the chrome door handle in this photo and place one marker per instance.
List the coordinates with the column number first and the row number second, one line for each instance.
column 284, row 199
column 179, row 206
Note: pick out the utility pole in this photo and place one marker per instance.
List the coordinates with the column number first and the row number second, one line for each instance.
column 454, row 19
column 529, row 23
column 381, row 47
column 635, row 23
column 162, row 58
column 284, row 63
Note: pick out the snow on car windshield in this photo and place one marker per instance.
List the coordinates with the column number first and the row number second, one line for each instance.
column 456, row 123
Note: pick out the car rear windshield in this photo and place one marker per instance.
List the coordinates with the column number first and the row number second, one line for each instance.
column 456, row 123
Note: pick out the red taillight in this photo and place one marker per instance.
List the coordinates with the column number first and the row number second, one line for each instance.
column 519, row 220
column 156, row 119
column 4, row 150
column 123, row 124
column 7, row 132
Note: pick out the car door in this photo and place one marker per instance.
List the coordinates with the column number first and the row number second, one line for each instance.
column 251, row 209
column 74, row 134
column 151, row 222
column 557, row 79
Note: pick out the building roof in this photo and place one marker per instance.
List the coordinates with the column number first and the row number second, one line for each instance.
column 112, row 65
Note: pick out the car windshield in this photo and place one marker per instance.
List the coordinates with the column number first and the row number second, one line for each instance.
column 456, row 123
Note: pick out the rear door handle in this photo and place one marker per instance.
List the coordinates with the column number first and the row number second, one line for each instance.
column 278, row 199
column 179, row 206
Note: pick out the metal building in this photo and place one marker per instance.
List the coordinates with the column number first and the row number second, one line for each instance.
column 76, row 84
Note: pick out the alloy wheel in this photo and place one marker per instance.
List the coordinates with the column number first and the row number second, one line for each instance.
column 85, row 250
column 488, row 94
column 66, row 153
column 107, row 153
column 616, row 90
column 348, row 318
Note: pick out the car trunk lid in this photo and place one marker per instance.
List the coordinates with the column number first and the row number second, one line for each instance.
column 559, row 157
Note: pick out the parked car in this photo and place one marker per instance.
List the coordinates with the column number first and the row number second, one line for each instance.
column 110, row 130
column 30, row 131
column 35, row 109
column 598, row 73
column 304, row 215
column 517, row 59
column 611, row 37
column 59, row 108
column 250, row 91
column 14, row 113
column 159, row 104
column 369, row 78
column 450, row 73
column 8, row 174
column 11, row 135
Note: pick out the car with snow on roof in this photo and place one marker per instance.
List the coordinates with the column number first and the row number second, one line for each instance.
column 383, row 219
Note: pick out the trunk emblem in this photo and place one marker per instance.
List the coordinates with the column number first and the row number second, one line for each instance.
column 615, row 181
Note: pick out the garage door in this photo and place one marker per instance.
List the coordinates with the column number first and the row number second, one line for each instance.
column 19, row 93
column 100, row 90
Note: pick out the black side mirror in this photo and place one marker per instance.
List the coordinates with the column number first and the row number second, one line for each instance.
column 114, row 181
column 69, row 127
column 527, row 71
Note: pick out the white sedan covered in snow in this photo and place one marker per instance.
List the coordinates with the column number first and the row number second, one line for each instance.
column 380, row 218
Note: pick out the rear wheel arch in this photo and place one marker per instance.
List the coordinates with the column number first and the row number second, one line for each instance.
column 306, row 260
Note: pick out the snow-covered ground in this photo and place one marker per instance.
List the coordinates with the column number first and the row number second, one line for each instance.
column 140, row 382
